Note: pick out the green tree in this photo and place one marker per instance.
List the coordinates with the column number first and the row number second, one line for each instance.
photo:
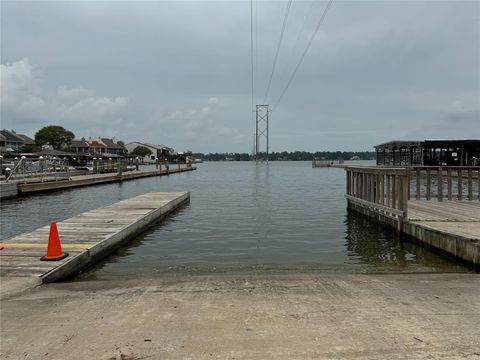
column 122, row 144
column 54, row 135
column 141, row 151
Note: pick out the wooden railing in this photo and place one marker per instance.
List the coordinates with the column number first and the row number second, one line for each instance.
column 451, row 183
column 384, row 190
column 387, row 190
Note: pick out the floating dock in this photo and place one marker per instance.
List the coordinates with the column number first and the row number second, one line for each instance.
column 437, row 206
column 87, row 237
column 326, row 163
column 33, row 186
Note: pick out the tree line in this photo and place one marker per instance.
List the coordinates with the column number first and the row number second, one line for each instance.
column 60, row 138
column 289, row 156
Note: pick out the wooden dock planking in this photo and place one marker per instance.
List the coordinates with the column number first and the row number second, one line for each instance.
column 30, row 187
column 424, row 210
column 452, row 217
column 87, row 237
column 447, row 222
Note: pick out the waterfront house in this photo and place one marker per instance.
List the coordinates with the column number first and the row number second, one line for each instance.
column 112, row 146
column 97, row 146
column 161, row 151
column 3, row 140
column 26, row 140
column 429, row 153
column 12, row 142
column 158, row 151
column 80, row 146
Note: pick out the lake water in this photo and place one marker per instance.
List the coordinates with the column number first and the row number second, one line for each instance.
column 242, row 218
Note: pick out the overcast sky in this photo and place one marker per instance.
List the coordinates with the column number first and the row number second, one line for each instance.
column 178, row 73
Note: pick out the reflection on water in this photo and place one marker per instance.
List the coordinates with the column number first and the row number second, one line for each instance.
column 369, row 242
column 242, row 218
column 368, row 247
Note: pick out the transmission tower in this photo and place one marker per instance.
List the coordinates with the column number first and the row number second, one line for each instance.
column 261, row 132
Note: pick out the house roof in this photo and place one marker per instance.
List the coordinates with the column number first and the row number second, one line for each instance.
column 428, row 143
column 158, row 147
column 398, row 143
column 110, row 144
column 451, row 143
column 79, row 144
column 26, row 140
column 10, row 136
column 96, row 143
column 135, row 142
column 2, row 137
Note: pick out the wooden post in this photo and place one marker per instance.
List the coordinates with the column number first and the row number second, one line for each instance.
column 347, row 183
column 459, row 184
column 449, row 183
column 359, row 185
column 418, row 179
column 394, row 192
column 364, row 186
column 120, row 169
column 478, row 184
column 403, row 193
column 429, row 179
column 400, row 187
column 470, row 185
column 382, row 189
column 439, row 184
column 408, row 184
column 405, row 196
column 388, row 188
column 352, row 183
column 370, row 187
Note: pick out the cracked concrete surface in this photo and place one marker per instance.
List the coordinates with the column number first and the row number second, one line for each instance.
column 330, row 316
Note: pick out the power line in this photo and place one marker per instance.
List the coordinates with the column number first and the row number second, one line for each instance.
column 251, row 61
column 320, row 22
column 307, row 14
column 256, row 47
column 287, row 10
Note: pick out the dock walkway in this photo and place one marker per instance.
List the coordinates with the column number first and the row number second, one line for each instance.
column 87, row 237
column 63, row 180
column 94, row 179
column 437, row 206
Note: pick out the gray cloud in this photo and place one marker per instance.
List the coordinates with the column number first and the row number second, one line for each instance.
column 146, row 70
column 28, row 105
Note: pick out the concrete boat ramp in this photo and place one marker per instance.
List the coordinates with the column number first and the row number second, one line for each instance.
column 86, row 237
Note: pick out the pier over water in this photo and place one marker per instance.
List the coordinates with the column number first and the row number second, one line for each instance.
column 87, row 237
column 438, row 206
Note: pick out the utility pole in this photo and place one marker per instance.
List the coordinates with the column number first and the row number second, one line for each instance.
column 261, row 131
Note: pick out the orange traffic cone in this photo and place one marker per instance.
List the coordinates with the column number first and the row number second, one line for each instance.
column 54, row 250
